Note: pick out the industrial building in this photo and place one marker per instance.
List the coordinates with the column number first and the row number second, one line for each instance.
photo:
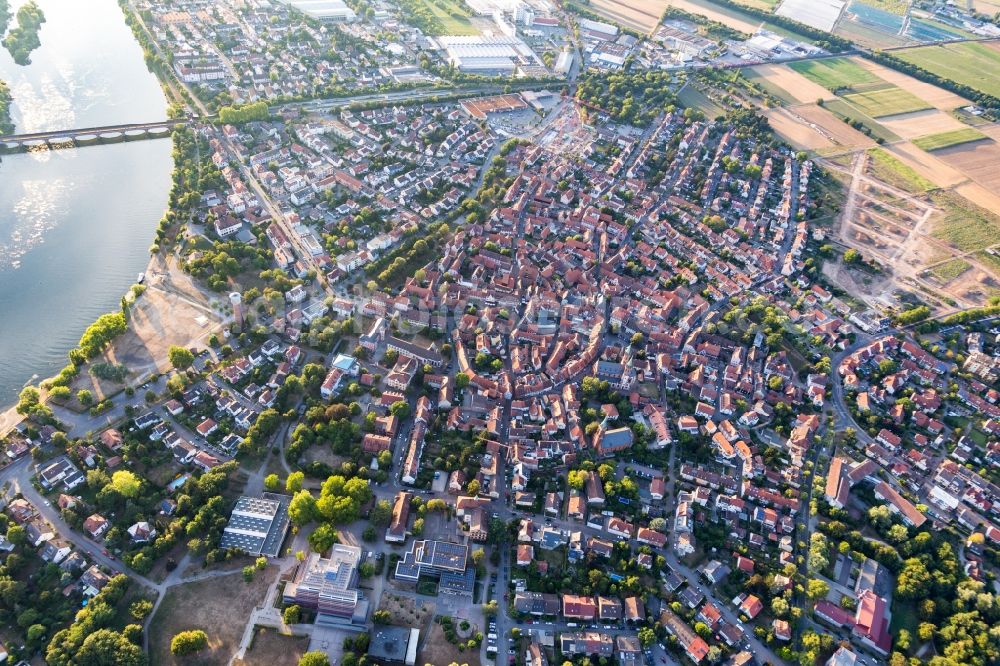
column 497, row 55
column 334, row 11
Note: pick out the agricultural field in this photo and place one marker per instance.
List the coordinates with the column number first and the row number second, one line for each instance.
column 811, row 127
column 956, row 137
column 835, row 73
column 733, row 18
column 640, row 15
column 440, row 17
column 897, row 7
column 787, row 84
column 891, row 170
column 949, row 270
column 886, row 100
column 979, row 160
column 692, row 98
column 964, row 226
column 819, row 14
column 974, row 64
column 922, row 123
column 939, row 98
column 843, row 110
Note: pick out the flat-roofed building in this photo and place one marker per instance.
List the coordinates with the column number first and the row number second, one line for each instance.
column 257, row 525
column 394, row 646
column 329, row 586
column 432, row 558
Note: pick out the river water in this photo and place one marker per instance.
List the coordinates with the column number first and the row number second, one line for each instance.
column 75, row 224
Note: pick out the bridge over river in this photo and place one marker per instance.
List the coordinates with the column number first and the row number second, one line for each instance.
column 13, row 143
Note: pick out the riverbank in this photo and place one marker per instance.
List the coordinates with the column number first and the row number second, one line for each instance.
column 6, row 99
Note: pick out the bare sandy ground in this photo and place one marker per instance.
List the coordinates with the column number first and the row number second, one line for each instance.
column 936, row 97
column 797, row 86
column 641, row 15
column 921, row 123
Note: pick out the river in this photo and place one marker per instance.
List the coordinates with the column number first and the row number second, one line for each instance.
column 75, row 224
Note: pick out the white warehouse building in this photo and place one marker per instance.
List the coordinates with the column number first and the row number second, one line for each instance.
column 488, row 55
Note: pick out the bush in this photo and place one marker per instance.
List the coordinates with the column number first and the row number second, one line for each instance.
column 188, row 642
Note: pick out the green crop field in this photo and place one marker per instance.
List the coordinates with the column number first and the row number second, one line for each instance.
column 834, row 73
column 950, row 269
column 948, row 139
column 887, row 168
column 974, row 64
column 886, row 101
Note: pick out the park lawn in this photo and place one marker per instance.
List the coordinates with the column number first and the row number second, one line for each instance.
column 950, row 269
column 888, row 101
column 970, row 63
column 964, row 225
column 947, row 139
column 887, row 168
column 845, row 111
column 834, row 73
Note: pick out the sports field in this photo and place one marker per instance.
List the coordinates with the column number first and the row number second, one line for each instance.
column 886, row 101
column 974, row 64
column 834, row 73
column 948, row 139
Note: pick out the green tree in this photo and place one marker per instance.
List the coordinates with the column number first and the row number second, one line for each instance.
column 126, row 483
column 817, row 589
column 188, row 642
column 292, row 615
column 272, row 483
column 323, row 538
column 105, row 647
column 180, row 357
column 294, row 482
column 315, row 658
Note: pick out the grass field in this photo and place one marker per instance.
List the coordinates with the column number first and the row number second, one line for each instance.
column 886, row 101
column 964, row 225
column 846, row 111
column 950, row 269
column 948, row 139
column 442, row 17
column 834, row 73
column 692, row 98
column 991, row 261
column 972, row 63
column 887, row 168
